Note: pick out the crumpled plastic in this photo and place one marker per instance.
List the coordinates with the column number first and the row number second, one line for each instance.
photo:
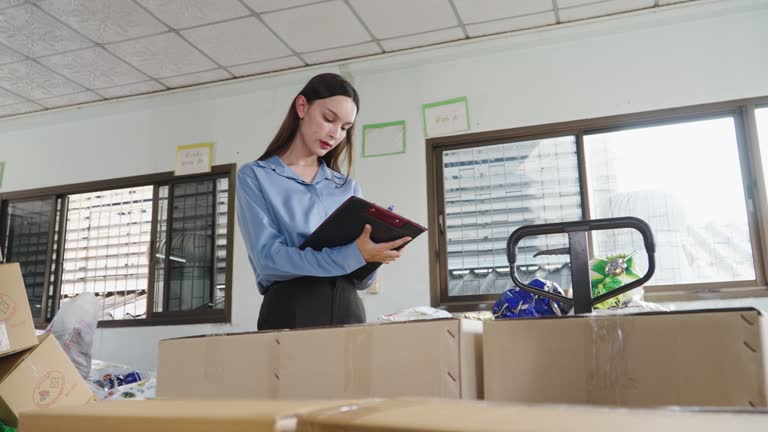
column 118, row 381
column 416, row 313
column 74, row 327
column 517, row 303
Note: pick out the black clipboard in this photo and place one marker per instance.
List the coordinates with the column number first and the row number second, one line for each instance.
column 347, row 222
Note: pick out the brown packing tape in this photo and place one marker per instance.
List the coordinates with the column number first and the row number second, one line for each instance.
column 607, row 367
column 358, row 360
column 676, row 359
column 328, row 420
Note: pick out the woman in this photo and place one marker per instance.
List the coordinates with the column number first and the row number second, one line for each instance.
column 284, row 195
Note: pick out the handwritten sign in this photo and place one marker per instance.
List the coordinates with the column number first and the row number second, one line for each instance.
column 384, row 139
column 445, row 117
column 194, row 158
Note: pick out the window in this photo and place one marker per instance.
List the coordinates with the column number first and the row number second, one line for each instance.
column 683, row 171
column 685, row 180
column 490, row 191
column 118, row 237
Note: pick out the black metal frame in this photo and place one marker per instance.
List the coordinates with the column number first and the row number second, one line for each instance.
column 578, row 248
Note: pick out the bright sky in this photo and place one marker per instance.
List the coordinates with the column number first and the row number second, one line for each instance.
column 697, row 162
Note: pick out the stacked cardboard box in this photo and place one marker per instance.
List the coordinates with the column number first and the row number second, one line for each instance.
column 695, row 358
column 34, row 373
column 437, row 358
column 396, row 415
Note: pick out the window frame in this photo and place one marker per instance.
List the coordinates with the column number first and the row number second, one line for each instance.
column 153, row 318
column 745, row 122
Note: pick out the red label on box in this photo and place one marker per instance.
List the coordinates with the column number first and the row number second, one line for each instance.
column 48, row 390
column 7, row 307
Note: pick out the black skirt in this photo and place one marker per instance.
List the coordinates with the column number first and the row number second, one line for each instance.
column 311, row 302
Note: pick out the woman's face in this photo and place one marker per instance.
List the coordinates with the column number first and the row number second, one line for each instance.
column 325, row 122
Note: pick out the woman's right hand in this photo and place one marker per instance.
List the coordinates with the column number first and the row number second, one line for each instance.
column 379, row 252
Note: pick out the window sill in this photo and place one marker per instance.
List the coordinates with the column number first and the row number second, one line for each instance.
column 163, row 319
column 706, row 294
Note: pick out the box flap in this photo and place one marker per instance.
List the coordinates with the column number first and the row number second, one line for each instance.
column 9, row 362
column 471, row 359
column 241, row 366
column 17, row 329
column 422, row 358
column 172, row 416
column 44, row 379
column 383, row 323
column 405, row 415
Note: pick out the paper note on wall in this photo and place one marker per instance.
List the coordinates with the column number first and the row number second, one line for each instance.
column 194, row 158
column 445, row 117
column 384, row 139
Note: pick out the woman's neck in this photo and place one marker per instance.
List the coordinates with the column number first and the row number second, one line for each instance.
column 298, row 155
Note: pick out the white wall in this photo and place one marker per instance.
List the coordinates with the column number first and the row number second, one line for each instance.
column 679, row 56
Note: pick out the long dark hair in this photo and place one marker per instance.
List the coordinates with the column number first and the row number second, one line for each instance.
column 319, row 87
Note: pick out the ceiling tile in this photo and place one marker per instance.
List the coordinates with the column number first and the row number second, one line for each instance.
column 561, row 4
column 668, row 2
column 197, row 78
column 131, row 89
column 474, row 11
column 104, row 21
column 333, row 25
column 602, row 9
column 392, row 18
column 32, row 81
column 19, row 108
column 32, row 32
column 511, row 24
column 270, row 5
column 8, row 3
column 187, row 13
column 162, row 56
column 369, row 48
column 93, row 68
column 8, row 55
column 7, row 98
column 423, row 39
column 245, row 40
column 73, row 99
column 266, row 66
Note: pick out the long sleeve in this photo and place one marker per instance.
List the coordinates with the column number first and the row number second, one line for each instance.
column 268, row 251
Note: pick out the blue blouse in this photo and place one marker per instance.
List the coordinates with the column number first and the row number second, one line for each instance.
column 277, row 210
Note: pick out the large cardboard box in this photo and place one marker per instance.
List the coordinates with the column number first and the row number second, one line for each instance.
column 438, row 358
column 463, row 416
column 697, row 358
column 39, row 378
column 172, row 416
column 17, row 330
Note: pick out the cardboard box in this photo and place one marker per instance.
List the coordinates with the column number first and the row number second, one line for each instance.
column 696, row 358
column 437, row 358
column 39, row 378
column 172, row 416
column 17, row 330
column 463, row 416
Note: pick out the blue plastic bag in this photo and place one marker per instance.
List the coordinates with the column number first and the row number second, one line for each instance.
column 517, row 303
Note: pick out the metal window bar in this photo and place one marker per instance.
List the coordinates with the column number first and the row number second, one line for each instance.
column 106, row 241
